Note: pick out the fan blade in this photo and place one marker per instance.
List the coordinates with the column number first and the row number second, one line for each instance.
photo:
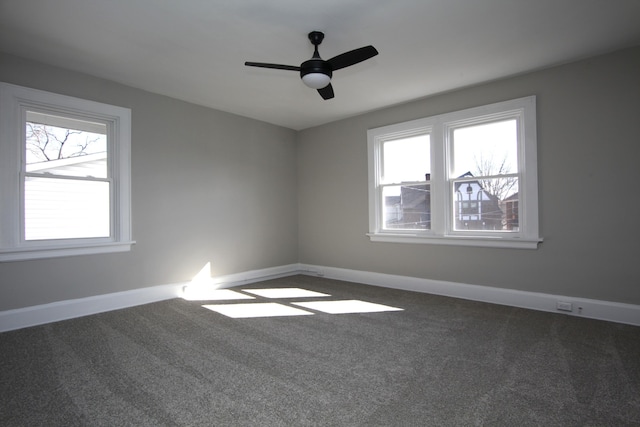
column 326, row 92
column 275, row 66
column 352, row 57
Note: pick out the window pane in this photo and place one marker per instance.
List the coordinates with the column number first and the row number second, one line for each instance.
column 486, row 204
column 485, row 150
column 65, row 208
column 407, row 207
column 406, row 160
column 65, row 146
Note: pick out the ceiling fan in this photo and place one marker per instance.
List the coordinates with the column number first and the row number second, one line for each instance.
column 316, row 72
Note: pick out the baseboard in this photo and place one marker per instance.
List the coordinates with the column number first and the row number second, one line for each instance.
column 581, row 307
column 253, row 276
column 63, row 310
column 69, row 309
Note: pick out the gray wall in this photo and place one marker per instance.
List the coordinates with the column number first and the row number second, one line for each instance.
column 589, row 182
column 213, row 187
column 207, row 186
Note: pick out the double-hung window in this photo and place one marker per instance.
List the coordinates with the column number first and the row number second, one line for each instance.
column 462, row 178
column 65, row 175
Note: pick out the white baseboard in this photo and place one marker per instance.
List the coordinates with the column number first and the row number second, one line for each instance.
column 63, row 310
column 69, row 309
column 253, row 276
column 581, row 307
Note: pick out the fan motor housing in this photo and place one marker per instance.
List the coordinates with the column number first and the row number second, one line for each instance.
column 315, row 66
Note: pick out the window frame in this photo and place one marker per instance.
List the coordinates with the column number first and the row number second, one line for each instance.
column 15, row 101
column 440, row 128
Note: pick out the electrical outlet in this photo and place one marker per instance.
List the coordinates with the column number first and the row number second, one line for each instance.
column 564, row 306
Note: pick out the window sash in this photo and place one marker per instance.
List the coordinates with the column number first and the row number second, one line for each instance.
column 417, row 218
column 488, row 220
column 57, row 208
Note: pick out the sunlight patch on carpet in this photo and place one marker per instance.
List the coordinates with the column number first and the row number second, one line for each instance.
column 267, row 309
column 285, row 293
column 346, row 306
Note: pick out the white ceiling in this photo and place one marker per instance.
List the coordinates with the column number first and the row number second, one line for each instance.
column 195, row 50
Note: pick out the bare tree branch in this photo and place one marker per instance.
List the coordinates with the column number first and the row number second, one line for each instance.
column 499, row 187
column 47, row 143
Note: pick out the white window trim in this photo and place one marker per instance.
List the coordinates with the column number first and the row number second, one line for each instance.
column 14, row 100
column 440, row 127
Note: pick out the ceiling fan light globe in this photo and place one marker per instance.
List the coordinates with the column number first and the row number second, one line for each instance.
column 316, row 80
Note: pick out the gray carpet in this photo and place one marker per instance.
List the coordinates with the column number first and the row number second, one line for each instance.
column 439, row 362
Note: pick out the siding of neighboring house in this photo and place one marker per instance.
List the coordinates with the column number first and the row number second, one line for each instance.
column 67, row 208
column 416, row 205
column 511, row 206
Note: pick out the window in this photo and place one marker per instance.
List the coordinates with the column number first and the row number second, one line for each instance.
column 463, row 178
column 65, row 175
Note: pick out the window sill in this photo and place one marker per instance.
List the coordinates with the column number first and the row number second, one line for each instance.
column 486, row 242
column 24, row 254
